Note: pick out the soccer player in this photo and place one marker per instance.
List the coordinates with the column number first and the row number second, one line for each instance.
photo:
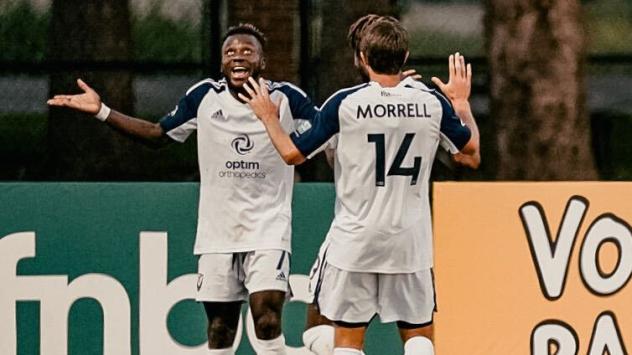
column 244, row 221
column 318, row 336
column 380, row 255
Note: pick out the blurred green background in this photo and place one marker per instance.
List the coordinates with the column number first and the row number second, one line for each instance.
column 166, row 32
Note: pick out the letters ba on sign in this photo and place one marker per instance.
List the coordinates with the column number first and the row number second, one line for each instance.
column 533, row 268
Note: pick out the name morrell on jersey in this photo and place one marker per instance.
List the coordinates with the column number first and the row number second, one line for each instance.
column 409, row 110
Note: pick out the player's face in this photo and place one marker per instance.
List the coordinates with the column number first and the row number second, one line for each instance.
column 242, row 57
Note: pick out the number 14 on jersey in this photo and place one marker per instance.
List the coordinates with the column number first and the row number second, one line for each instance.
column 396, row 167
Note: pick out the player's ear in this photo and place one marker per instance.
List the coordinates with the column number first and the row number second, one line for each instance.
column 263, row 63
column 363, row 59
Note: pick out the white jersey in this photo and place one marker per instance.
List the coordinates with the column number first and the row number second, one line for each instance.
column 387, row 140
column 245, row 187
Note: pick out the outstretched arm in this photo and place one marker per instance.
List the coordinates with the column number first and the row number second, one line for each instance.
column 458, row 91
column 90, row 102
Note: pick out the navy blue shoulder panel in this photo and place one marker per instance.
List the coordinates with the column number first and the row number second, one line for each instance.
column 300, row 105
column 325, row 124
column 451, row 125
column 188, row 105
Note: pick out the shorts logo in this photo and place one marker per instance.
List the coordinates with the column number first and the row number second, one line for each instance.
column 242, row 144
column 199, row 282
column 281, row 277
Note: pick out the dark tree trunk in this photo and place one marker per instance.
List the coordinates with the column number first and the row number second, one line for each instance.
column 536, row 56
column 79, row 146
column 335, row 66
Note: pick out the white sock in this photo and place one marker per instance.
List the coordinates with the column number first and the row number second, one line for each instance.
column 225, row 351
column 275, row 346
column 418, row 346
column 347, row 351
column 319, row 339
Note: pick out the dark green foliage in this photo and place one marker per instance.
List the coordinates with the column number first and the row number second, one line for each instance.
column 22, row 136
column 156, row 38
column 22, row 145
column 612, row 148
column 23, row 33
column 609, row 23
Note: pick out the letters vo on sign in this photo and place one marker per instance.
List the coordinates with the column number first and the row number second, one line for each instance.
column 524, row 266
column 551, row 259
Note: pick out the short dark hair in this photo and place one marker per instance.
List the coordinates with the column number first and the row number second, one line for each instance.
column 358, row 29
column 385, row 45
column 246, row 29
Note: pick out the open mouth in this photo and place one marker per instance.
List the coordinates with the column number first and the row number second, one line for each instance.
column 240, row 73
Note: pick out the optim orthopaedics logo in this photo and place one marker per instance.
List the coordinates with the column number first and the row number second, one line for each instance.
column 242, row 144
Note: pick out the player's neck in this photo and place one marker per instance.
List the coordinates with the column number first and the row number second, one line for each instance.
column 385, row 80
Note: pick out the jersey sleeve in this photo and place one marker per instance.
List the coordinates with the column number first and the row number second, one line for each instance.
column 454, row 134
column 331, row 144
column 325, row 124
column 182, row 121
column 300, row 104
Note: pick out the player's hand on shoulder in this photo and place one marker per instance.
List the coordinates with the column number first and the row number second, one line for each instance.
column 259, row 99
column 411, row 73
column 88, row 102
column 459, row 85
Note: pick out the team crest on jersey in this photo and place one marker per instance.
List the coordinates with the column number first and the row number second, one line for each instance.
column 303, row 126
column 242, row 144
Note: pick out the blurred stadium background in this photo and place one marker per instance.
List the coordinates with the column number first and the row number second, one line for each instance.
column 142, row 55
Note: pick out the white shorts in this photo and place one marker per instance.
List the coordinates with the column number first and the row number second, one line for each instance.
column 316, row 270
column 356, row 297
column 233, row 276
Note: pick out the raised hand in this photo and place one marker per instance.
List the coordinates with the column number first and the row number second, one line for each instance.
column 459, row 83
column 88, row 102
column 259, row 99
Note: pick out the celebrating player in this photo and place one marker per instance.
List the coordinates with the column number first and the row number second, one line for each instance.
column 244, row 221
column 380, row 255
column 319, row 333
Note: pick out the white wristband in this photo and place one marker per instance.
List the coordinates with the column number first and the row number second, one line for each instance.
column 103, row 113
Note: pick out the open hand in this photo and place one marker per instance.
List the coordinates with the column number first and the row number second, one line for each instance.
column 459, row 83
column 89, row 101
column 259, row 99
